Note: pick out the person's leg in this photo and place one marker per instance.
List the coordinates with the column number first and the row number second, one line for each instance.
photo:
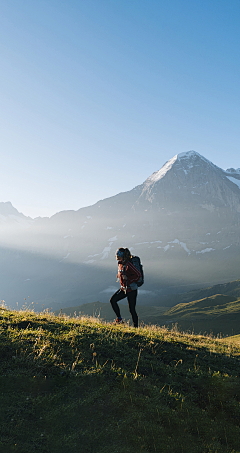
column 132, row 299
column 119, row 295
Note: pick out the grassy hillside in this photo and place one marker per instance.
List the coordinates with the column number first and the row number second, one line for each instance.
column 80, row 385
column 147, row 314
column 218, row 314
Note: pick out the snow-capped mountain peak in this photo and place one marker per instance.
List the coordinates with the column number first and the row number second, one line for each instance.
column 192, row 159
column 183, row 161
column 191, row 179
column 192, row 156
column 189, row 154
column 157, row 175
column 184, row 222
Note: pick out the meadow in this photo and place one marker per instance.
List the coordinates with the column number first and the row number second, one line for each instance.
column 218, row 314
column 80, row 384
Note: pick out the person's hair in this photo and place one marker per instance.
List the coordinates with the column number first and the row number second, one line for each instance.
column 127, row 255
column 120, row 253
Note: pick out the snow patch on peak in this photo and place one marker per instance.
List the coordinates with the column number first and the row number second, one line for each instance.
column 188, row 154
column 234, row 180
column 207, row 250
column 193, row 154
column 157, row 175
column 183, row 245
column 188, row 158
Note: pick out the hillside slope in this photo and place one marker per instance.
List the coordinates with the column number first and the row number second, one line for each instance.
column 231, row 288
column 71, row 385
column 218, row 314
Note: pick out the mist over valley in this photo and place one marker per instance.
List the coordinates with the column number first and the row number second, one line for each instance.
column 183, row 222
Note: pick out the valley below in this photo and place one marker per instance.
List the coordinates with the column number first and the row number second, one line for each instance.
column 183, row 222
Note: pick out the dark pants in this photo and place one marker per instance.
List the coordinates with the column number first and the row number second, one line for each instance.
column 131, row 298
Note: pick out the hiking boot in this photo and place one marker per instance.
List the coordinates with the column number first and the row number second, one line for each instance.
column 119, row 321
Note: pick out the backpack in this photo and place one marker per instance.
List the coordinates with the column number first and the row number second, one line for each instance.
column 135, row 260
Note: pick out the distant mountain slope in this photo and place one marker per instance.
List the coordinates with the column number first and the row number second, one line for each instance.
column 217, row 314
column 183, row 221
column 10, row 217
column 209, row 306
column 228, row 289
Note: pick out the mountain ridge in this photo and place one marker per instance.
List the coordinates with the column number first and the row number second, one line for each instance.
column 184, row 223
column 152, row 179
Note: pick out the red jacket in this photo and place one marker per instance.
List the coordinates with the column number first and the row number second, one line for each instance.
column 132, row 274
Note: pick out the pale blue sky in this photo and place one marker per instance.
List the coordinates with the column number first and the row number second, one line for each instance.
column 95, row 95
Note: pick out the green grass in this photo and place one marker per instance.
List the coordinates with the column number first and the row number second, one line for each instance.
column 82, row 385
column 103, row 310
column 217, row 314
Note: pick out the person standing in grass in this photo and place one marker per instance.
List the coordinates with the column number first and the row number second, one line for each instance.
column 128, row 276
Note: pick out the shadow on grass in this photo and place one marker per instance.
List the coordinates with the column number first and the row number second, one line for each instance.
column 84, row 386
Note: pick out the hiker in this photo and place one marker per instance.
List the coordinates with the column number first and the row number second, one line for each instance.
column 128, row 275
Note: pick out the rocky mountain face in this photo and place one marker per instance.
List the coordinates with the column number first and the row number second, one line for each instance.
column 183, row 221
